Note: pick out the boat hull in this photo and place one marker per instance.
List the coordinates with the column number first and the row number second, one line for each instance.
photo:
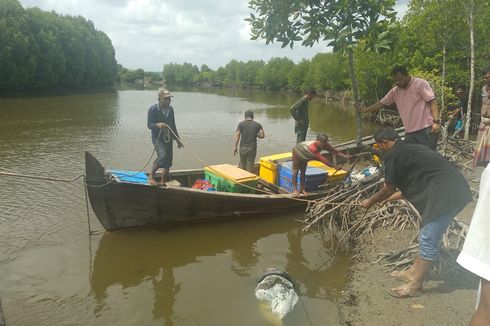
column 125, row 205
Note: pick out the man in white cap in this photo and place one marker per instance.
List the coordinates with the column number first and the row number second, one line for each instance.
column 161, row 122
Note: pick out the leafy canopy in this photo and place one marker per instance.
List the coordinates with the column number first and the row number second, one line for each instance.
column 344, row 23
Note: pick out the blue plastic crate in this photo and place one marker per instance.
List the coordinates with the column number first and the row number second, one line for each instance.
column 313, row 178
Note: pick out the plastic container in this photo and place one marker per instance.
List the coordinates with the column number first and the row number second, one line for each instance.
column 314, row 177
column 268, row 166
column 229, row 178
column 332, row 175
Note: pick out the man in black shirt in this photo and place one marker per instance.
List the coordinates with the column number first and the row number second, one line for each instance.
column 247, row 132
column 299, row 111
column 161, row 121
column 435, row 188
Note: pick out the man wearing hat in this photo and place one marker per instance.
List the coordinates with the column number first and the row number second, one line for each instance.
column 247, row 132
column 161, row 122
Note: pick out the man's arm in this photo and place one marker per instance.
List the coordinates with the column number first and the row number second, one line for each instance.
column 237, row 139
column 382, row 194
column 151, row 124
column 373, row 108
column 261, row 133
column 294, row 109
column 434, row 110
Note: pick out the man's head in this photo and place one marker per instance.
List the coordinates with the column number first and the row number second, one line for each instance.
column 460, row 91
column 249, row 115
column 310, row 93
column 322, row 138
column 400, row 76
column 385, row 138
column 164, row 97
column 486, row 75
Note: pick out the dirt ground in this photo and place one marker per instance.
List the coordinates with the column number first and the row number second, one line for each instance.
column 449, row 301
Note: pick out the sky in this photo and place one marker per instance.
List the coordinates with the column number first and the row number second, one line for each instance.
column 150, row 33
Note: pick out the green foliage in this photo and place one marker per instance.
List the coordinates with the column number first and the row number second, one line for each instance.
column 342, row 23
column 329, row 71
column 44, row 50
column 274, row 75
column 175, row 74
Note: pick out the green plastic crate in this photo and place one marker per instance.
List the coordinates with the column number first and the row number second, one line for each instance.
column 221, row 183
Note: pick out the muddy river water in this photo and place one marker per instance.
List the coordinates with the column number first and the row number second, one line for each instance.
column 53, row 273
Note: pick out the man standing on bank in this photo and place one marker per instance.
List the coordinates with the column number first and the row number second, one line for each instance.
column 247, row 133
column 416, row 103
column 161, row 121
column 299, row 111
column 436, row 189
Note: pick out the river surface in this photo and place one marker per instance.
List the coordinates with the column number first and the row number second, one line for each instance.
column 53, row 273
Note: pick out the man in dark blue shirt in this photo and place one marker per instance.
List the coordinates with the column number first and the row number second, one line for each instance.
column 161, row 121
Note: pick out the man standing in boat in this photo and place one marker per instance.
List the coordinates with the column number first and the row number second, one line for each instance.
column 161, row 122
column 247, row 133
column 416, row 103
column 299, row 111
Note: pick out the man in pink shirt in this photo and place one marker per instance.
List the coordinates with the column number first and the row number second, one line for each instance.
column 416, row 103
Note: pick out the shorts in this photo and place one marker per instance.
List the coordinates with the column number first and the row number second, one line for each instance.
column 165, row 153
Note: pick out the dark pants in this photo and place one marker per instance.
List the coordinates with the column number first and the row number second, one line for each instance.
column 247, row 158
column 424, row 137
column 300, row 134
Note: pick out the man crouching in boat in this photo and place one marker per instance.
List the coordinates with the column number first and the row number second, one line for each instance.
column 161, row 121
column 306, row 151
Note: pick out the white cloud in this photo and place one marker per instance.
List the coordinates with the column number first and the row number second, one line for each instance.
column 150, row 33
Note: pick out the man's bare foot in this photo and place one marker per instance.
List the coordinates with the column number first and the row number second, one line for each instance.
column 295, row 194
column 304, row 193
column 152, row 182
column 405, row 291
column 404, row 276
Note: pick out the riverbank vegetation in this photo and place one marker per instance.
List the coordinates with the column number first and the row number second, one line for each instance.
column 44, row 50
column 432, row 40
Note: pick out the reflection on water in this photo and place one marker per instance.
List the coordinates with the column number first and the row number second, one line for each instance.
column 203, row 274
column 208, row 272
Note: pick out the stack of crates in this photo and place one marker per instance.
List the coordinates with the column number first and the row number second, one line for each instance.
column 268, row 166
column 315, row 177
column 230, row 178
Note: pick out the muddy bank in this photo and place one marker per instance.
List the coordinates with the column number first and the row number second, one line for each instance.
column 448, row 300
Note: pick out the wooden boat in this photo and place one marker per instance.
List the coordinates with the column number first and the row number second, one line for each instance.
column 120, row 205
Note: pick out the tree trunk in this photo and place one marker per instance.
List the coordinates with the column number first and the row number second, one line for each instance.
column 443, row 78
column 355, row 94
column 472, row 71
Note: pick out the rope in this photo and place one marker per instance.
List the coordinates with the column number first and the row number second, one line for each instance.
column 35, row 177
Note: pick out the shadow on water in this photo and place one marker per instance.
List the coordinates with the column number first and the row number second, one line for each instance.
column 164, row 262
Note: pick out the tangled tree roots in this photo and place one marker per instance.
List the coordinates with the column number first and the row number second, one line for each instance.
column 446, row 266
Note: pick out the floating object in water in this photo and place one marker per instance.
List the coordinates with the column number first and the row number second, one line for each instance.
column 276, row 288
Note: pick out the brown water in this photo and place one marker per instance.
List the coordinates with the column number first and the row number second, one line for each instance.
column 53, row 273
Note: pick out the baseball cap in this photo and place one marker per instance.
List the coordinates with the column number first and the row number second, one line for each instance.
column 163, row 92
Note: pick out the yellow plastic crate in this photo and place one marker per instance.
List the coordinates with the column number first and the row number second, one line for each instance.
column 268, row 166
column 340, row 175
